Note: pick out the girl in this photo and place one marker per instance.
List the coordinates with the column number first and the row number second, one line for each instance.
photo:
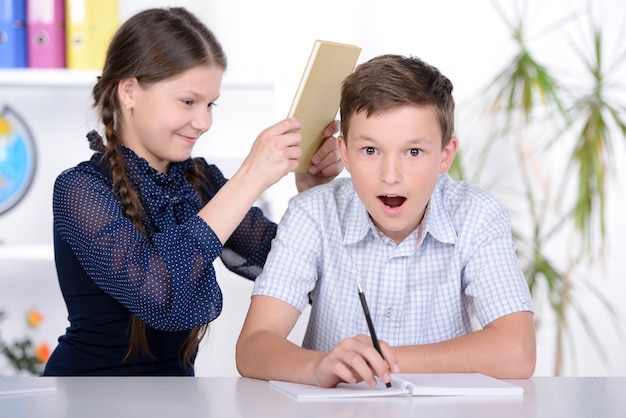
column 138, row 227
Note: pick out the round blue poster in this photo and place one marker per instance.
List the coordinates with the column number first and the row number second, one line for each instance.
column 17, row 159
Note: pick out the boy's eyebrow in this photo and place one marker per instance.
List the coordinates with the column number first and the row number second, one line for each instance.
column 362, row 138
column 410, row 141
column 419, row 141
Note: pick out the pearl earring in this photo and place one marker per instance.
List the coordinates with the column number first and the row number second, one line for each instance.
column 129, row 107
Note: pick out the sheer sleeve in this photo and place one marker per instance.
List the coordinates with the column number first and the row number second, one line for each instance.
column 167, row 279
column 245, row 251
column 247, row 248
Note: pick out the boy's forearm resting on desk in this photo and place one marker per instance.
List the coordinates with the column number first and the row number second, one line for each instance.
column 504, row 349
column 263, row 350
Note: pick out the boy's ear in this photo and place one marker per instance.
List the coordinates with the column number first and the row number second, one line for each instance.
column 448, row 154
column 343, row 152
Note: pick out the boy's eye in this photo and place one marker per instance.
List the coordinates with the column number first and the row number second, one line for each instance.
column 415, row 152
column 369, row 150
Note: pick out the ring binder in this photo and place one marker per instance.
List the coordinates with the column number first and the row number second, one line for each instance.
column 45, row 29
column 13, row 33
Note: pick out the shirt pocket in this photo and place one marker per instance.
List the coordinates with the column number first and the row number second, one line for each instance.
column 436, row 308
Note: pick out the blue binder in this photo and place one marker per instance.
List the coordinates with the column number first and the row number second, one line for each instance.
column 13, row 33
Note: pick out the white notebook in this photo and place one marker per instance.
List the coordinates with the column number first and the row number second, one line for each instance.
column 448, row 384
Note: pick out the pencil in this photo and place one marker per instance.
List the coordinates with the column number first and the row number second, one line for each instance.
column 370, row 324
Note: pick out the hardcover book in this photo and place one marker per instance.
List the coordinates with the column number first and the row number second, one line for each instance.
column 316, row 101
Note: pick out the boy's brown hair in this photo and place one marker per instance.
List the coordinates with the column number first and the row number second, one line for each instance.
column 389, row 81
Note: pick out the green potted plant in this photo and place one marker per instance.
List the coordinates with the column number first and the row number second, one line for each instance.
column 560, row 139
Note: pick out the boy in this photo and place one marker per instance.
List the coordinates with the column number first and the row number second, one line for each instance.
column 430, row 253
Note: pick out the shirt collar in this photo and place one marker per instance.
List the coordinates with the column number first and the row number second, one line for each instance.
column 358, row 221
column 165, row 195
column 436, row 222
column 141, row 167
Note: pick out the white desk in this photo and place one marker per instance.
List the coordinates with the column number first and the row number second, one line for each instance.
column 231, row 397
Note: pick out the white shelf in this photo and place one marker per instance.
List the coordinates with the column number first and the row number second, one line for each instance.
column 34, row 77
column 63, row 77
column 32, row 252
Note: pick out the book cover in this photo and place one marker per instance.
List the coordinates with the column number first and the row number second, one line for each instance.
column 439, row 384
column 316, row 101
column 13, row 33
column 90, row 25
column 45, row 30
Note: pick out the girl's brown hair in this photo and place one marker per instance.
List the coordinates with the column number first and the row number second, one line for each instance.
column 151, row 46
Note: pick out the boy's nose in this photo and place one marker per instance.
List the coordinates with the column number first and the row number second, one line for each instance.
column 391, row 170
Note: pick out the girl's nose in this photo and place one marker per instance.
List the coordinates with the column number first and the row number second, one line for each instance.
column 203, row 119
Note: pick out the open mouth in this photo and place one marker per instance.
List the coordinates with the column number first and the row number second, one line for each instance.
column 392, row 201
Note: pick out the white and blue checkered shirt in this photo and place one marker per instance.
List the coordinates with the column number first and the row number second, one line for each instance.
column 462, row 264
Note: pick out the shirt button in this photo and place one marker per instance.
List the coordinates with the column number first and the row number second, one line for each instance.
column 389, row 313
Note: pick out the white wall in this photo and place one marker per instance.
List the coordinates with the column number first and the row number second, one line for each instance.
column 267, row 44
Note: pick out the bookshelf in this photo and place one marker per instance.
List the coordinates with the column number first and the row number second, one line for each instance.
column 33, row 77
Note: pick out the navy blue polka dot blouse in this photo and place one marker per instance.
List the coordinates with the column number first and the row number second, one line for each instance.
column 108, row 269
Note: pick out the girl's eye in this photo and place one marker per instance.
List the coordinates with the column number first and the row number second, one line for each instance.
column 415, row 152
column 187, row 102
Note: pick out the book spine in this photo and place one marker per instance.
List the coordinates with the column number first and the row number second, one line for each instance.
column 90, row 27
column 13, row 33
column 45, row 27
column 305, row 76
